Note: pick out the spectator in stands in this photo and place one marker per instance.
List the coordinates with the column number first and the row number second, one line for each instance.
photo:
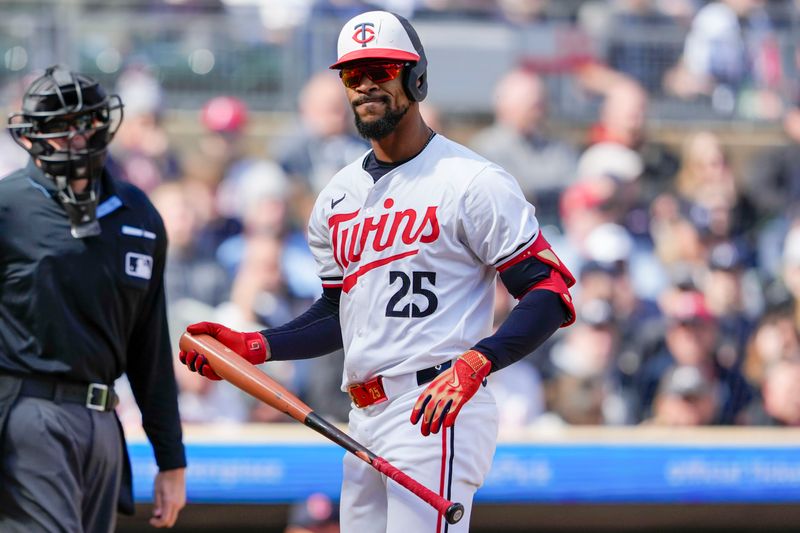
column 781, row 394
column 678, row 245
column 641, row 276
column 708, row 192
column 731, row 55
column 582, row 383
column 773, row 178
column 772, row 183
column 608, row 275
column 724, row 289
column 611, row 159
column 221, row 155
column 691, row 339
column 257, row 199
column 12, row 155
column 791, row 270
column 704, row 209
column 685, row 397
column 519, row 142
column 584, row 206
column 623, row 118
column 259, row 294
column 624, row 166
column 221, row 147
column 142, row 153
column 190, row 273
column 775, row 339
column 326, row 141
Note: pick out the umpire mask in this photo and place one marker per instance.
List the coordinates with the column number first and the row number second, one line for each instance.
column 66, row 123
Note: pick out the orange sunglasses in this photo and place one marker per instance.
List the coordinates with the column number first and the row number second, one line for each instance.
column 377, row 72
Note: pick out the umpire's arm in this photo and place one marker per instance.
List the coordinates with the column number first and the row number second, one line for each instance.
column 151, row 373
column 152, row 378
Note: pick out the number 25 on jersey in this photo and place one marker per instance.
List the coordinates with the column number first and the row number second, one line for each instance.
column 414, row 283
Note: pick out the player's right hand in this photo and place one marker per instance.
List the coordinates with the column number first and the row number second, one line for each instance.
column 251, row 346
column 442, row 400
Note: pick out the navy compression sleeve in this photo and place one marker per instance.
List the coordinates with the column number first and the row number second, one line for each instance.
column 537, row 316
column 314, row 333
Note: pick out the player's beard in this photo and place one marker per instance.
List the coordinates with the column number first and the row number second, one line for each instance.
column 380, row 128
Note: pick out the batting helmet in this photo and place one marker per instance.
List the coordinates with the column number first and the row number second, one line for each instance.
column 385, row 35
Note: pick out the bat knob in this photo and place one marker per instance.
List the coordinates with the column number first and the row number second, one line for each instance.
column 454, row 513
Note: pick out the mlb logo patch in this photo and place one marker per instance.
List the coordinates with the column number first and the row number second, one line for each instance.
column 138, row 265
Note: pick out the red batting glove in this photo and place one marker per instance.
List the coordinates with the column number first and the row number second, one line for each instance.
column 251, row 346
column 440, row 403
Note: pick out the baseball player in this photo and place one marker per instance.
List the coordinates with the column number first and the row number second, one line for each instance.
column 81, row 301
column 409, row 239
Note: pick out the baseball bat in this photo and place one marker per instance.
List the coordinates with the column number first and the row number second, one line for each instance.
column 233, row 368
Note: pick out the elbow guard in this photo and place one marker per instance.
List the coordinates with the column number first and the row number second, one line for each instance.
column 560, row 279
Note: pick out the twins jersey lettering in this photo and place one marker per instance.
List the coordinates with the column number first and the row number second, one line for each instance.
column 416, row 255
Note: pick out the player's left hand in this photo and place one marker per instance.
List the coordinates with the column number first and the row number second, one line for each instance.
column 441, row 401
column 169, row 497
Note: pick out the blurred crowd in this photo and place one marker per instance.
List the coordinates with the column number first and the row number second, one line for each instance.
column 688, row 264
column 737, row 57
column 687, row 296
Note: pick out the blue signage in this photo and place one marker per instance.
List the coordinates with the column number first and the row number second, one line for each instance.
column 522, row 473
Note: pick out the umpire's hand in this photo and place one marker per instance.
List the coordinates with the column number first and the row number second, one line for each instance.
column 251, row 346
column 169, row 495
column 440, row 402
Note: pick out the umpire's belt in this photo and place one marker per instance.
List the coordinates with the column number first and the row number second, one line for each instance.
column 381, row 388
column 96, row 396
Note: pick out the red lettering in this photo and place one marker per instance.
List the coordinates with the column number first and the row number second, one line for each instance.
column 378, row 229
column 334, row 223
column 410, row 216
column 342, row 249
column 349, row 243
column 431, row 220
column 352, row 255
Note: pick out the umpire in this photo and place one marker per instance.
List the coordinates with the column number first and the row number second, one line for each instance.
column 81, row 302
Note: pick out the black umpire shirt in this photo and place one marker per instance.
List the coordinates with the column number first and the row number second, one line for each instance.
column 87, row 310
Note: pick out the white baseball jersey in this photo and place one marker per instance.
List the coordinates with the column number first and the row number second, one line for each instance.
column 416, row 255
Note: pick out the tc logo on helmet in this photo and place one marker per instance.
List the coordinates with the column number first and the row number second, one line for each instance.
column 364, row 33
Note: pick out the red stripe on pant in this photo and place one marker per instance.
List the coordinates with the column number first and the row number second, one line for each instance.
column 443, row 471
